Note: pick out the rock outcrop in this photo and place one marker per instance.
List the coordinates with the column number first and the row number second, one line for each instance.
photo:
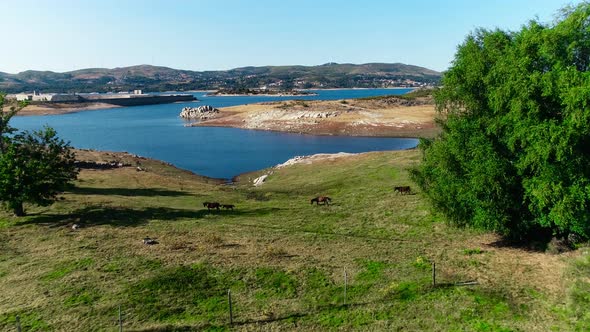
column 260, row 180
column 317, row 115
column 314, row 157
column 201, row 113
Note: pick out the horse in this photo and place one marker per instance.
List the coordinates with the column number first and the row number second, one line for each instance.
column 228, row 206
column 321, row 199
column 402, row 189
column 211, row 205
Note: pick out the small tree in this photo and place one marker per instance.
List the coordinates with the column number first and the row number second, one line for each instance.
column 34, row 167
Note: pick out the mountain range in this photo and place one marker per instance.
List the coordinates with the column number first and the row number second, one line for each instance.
column 156, row 78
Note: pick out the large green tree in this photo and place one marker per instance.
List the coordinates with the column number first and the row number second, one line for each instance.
column 34, row 166
column 514, row 153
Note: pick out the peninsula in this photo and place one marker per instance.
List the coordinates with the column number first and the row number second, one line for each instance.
column 410, row 115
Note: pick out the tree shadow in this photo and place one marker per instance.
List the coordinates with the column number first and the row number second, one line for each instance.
column 147, row 192
column 130, row 217
column 114, row 216
column 536, row 239
column 530, row 245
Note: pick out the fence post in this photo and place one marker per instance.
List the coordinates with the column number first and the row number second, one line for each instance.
column 18, row 324
column 345, row 285
column 231, row 314
column 120, row 320
column 433, row 274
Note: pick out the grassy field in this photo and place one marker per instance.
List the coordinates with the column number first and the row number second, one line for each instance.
column 283, row 259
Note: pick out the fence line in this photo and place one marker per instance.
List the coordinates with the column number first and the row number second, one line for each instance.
column 231, row 304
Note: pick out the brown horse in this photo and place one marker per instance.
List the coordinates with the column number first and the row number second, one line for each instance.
column 402, row 189
column 228, row 206
column 211, row 205
column 321, row 199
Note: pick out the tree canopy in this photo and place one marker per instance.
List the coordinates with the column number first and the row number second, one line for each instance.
column 34, row 167
column 514, row 152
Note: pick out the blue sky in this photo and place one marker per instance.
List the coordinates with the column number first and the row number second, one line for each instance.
column 222, row 34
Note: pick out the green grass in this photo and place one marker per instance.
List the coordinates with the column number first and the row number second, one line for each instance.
column 282, row 259
column 473, row 251
column 579, row 293
column 66, row 268
column 191, row 294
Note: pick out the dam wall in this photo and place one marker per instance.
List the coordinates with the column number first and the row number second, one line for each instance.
column 119, row 99
column 136, row 100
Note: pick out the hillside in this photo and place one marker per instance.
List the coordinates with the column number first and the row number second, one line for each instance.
column 283, row 259
column 154, row 78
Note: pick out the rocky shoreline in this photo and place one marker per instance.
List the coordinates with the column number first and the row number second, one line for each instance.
column 203, row 112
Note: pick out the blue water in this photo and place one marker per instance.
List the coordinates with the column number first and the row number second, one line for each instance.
column 156, row 131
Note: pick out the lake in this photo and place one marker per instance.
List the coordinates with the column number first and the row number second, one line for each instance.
column 156, row 131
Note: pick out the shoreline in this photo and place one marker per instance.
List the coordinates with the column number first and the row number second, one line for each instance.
column 127, row 160
column 388, row 117
column 337, row 89
column 63, row 108
column 260, row 95
column 299, row 95
column 281, row 131
column 130, row 160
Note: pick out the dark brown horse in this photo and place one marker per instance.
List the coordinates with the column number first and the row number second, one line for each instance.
column 228, row 206
column 211, row 205
column 402, row 189
column 321, row 199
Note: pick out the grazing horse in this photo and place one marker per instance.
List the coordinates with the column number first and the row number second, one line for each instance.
column 228, row 206
column 321, row 199
column 402, row 189
column 211, row 205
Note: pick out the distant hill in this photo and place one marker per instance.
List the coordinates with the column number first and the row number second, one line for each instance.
column 155, row 78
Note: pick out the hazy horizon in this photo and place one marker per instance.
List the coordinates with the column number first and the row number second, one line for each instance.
column 223, row 35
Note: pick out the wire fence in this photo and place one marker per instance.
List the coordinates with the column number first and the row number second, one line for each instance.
column 231, row 318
